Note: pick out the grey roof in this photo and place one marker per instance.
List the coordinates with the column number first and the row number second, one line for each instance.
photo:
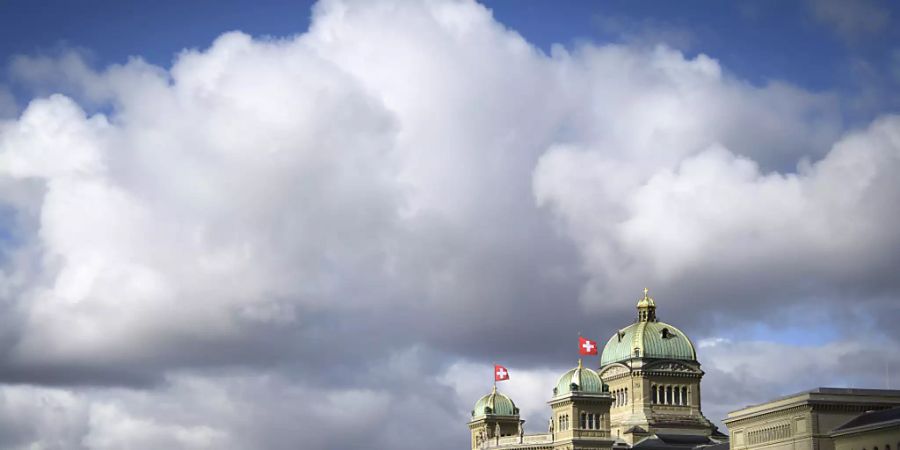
column 719, row 446
column 871, row 418
column 835, row 391
column 673, row 442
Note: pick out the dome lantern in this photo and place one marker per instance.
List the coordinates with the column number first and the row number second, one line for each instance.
column 646, row 308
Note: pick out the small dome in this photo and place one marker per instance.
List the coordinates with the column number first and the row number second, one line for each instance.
column 580, row 379
column 496, row 404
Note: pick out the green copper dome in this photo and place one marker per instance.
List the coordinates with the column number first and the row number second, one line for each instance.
column 648, row 338
column 496, row 404
column 581, row 379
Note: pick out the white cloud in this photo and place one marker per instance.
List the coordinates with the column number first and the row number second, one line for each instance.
column 383, row 189
column 716, row 213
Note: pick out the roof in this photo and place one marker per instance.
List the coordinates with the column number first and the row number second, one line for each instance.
column 652, row 339
column 673, row 441
column 719, row 446
column 867, row 398
column 583, row 378
column 871, row 419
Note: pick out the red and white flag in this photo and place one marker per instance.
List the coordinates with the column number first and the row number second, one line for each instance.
column 586, row 346
column 500, row 373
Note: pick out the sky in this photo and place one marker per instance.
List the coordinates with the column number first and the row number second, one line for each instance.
column 241, row 225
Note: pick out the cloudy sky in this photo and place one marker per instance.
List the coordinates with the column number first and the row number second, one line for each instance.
column 242, row 225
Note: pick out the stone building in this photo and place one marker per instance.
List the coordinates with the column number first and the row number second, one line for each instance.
column 873, row 430
column 814, row 420
column 652, row 371
column 647, row 390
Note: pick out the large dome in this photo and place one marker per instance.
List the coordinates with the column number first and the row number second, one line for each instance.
column 648, row 338
column 581, row 379
column 496, row 404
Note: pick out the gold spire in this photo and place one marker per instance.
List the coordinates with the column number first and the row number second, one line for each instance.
column 646, row 308
column 579, row 363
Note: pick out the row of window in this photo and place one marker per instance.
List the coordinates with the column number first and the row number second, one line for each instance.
column 563, row 422
column 620, row 397
column 669, row 395
column 769, row 434
column 590, row 421
column 886, row 447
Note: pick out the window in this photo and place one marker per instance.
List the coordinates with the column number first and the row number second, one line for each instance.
column 583, row 421
column 684, row 396
column 668, row 395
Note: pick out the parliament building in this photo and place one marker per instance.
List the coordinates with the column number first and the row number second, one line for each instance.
column 646, row 396
column 645, row 393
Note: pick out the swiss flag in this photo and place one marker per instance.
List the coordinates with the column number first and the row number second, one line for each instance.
column 587, row 346
column 500, row 373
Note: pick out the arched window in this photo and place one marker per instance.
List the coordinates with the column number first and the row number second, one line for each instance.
column 625, row 396
column 684, row 395
column 583, row 421
column 668, row 395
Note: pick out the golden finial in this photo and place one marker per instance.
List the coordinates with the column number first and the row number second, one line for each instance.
column 646, row 293
column 579, row 363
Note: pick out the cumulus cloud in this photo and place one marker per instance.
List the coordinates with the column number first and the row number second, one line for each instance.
column 279, row 235
column 716, row 215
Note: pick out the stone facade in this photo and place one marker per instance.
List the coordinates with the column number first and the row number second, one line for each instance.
column 655, row 396
column 805, row 420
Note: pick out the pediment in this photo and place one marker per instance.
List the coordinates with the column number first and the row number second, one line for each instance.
column 614, row 370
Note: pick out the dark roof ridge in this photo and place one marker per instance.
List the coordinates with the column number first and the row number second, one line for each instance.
column 871, row 418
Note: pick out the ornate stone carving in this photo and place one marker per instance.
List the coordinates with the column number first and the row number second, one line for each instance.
column 673, row 367
column 614, row 370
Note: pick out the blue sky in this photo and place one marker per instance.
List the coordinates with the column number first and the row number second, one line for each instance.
column 758, row 41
